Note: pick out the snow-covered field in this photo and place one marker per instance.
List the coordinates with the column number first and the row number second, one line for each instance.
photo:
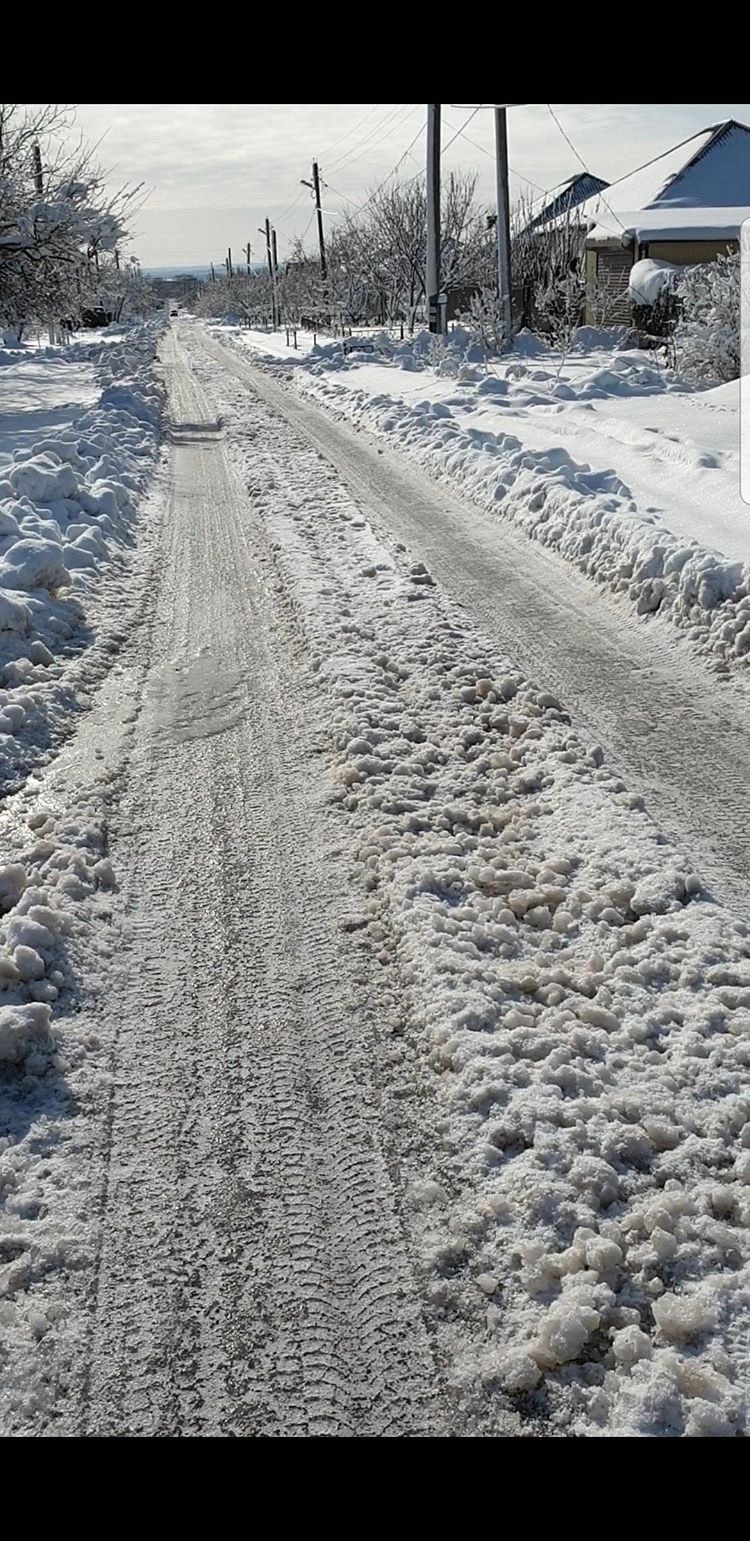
column 601, row 455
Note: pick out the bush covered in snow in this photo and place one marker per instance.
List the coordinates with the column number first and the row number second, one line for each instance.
column 707, row 337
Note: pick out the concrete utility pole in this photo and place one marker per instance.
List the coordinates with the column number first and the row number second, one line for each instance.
column 503, row 225
column 432, row 277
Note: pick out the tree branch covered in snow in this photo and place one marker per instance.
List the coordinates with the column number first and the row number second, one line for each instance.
column 57, row 218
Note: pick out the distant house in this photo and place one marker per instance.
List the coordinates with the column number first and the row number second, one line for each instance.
column 576, row 191
column 685, row 207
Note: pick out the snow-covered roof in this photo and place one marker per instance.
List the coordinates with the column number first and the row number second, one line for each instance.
column 699, row 190
column 571, row 194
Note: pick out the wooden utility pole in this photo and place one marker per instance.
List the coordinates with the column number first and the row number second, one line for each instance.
column 277, row 284
column 503, row 226
column 269, row 255
column 319, row 212
column 230, row 273
column 432, row 276
column 247, row 249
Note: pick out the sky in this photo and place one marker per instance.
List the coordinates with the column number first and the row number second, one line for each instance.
column 217, row 170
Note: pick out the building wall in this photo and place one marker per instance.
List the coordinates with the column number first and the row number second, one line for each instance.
column 607, row 274
column 608, row 268
column 687, row 251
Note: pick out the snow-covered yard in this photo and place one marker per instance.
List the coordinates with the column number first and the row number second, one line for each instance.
column 600, row 454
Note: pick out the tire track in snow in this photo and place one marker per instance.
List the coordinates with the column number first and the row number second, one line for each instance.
column 677, row 735
column 253, row 1276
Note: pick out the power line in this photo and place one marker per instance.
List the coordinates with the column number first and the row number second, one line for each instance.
column 355, row 129
column 580, row 158
column 447, row 146
column 520, row 174
column 377, row 134
column 392, row 173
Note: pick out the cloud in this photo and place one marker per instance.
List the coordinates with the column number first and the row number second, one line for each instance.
column 218, row 169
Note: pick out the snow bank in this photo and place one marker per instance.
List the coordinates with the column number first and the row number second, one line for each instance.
column 67, row 510
column 588, row 516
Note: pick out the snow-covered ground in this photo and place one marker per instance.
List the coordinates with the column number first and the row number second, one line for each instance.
column 580, row 1008
column 561, row 1038
column 79, row 431
column 39, row 396
column 600, row 454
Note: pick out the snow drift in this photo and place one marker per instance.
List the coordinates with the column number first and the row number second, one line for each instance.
column 67, row 509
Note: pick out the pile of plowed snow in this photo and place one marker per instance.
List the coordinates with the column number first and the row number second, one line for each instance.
column 67, row 509
column 589, row 515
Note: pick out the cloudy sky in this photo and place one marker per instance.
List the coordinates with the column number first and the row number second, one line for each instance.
column 216, row 170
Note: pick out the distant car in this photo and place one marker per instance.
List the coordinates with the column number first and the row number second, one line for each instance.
column 174, row 312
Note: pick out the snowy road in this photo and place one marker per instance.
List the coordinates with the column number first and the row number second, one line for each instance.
column 677, row 735
column 253, row 1277
column 392, row 1029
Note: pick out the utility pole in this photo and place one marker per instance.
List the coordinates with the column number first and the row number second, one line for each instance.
column 230, row 274
column 213, row 274
column 503, row 226
column 502, row 219
column 319, row 211
column 117, row 259
column 247, row 249
column 269, row 255
column 277, row 285
column 38, row 178
column 432, row 276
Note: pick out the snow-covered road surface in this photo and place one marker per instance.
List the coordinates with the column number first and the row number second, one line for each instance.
column 680, row 737
column 397, row 1082
column 252, row 1278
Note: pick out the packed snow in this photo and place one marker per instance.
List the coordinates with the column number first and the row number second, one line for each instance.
column 576, row 1007
column 600, row 454
column 571, row 1065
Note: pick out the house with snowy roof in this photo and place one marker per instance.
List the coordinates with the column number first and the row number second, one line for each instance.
column 576, row 191
column 685, row 207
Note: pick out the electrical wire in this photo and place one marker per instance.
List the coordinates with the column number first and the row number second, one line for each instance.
column 520, row 174
column 579, row 157
column 353, row 130
column 371, row 140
